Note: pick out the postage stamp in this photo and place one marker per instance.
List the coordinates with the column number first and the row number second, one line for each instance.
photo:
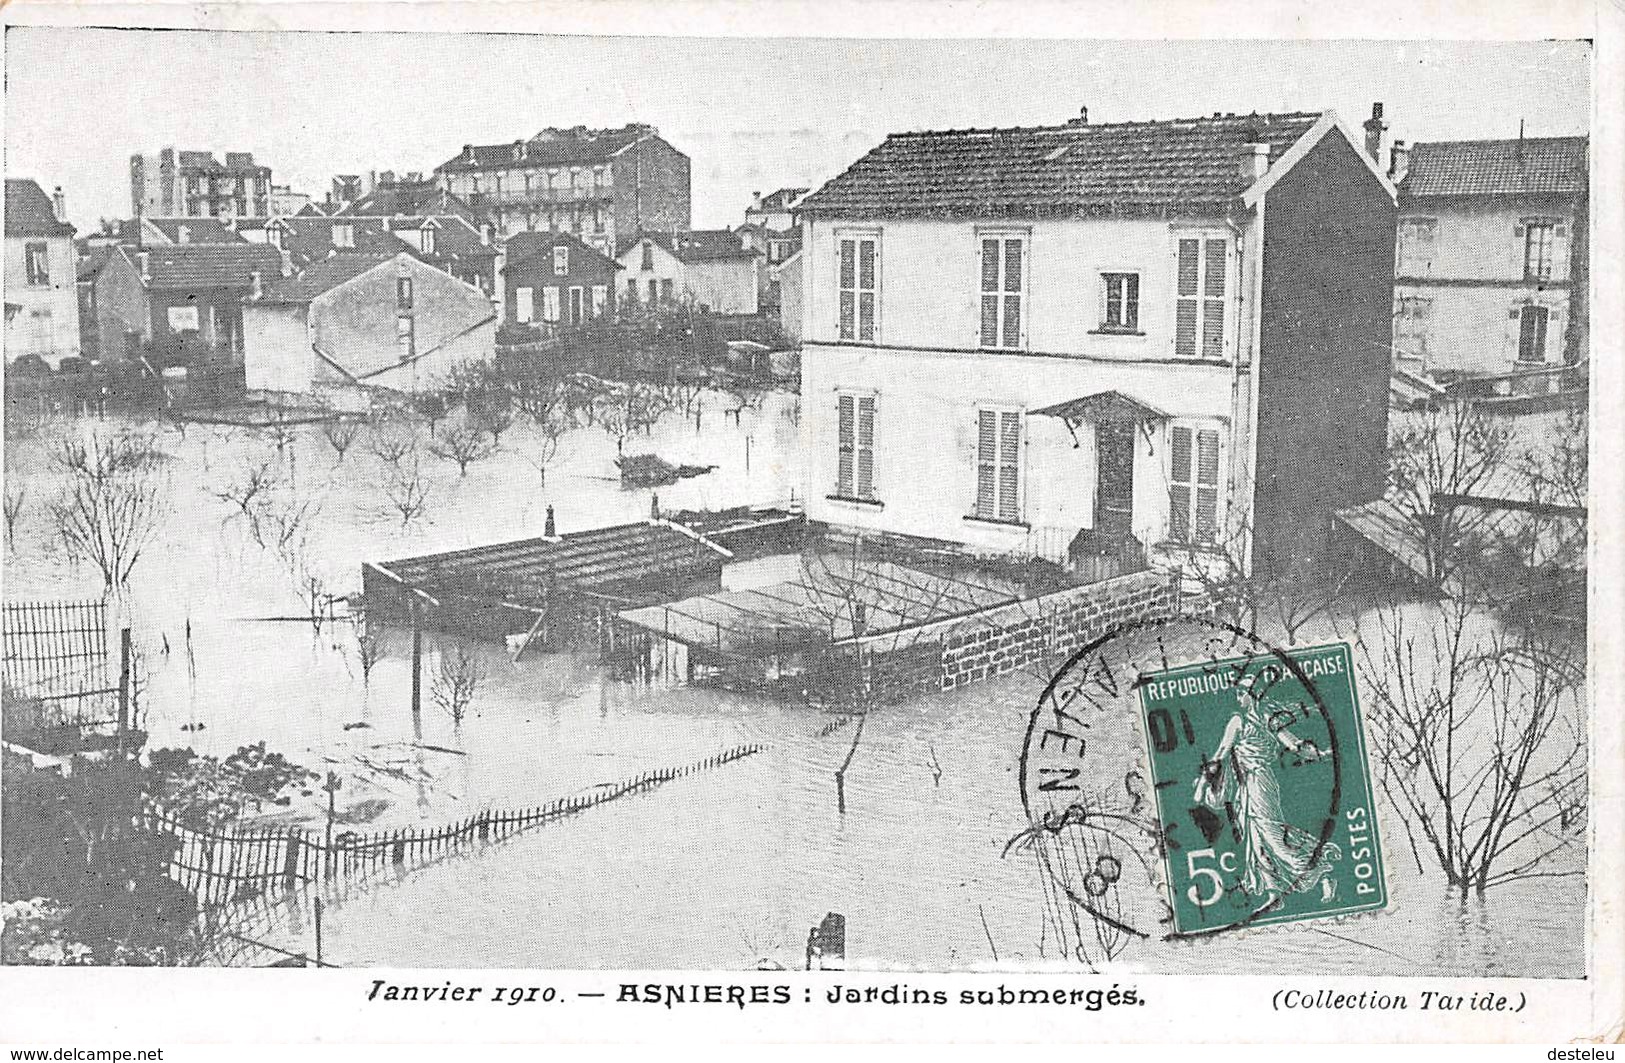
column 1263, row 790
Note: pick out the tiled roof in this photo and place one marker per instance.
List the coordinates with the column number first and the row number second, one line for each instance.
column 193, row 266
column 698, row 245
column 29, row 211
column 526, row 246
column 310, row 239
column 198, row 230
column 320, row 277
column 91, row 263
column 416, row 198
column 551, row 147
column 455, row 236
column 1179, row 166
column 1531, row 166
column 781, row 199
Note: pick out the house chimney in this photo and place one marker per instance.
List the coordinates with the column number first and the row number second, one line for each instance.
column 256, row 285
column 1255, row 161
column 1083, row 115
column 1399, row 160
column 143, row 261
column 59, row 203
column 1374, row 128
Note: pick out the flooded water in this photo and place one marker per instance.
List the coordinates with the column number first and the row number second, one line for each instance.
column 722, row 869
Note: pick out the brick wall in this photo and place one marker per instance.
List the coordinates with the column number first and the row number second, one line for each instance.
column 956, row 653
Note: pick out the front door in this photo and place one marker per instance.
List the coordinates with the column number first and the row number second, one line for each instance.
column 1114, row 478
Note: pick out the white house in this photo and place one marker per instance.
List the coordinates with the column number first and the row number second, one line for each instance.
column 711, row 269
column 352, row 322
column 42, row 299
column 1051, row 340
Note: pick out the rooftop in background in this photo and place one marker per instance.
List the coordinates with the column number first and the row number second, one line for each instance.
column 415, row 197
column 779, row 201
column 29, row 211
column 524, row 247
column 236, row 162
column 1521, row 167
column 699, row 245
column 192, row 266
column 551, row 147
column 321, row 277
column 197, row 230
column 1173, row 167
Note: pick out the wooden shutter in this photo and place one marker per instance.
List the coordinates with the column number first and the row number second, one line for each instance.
column 847, row 267
column 1179, row 485
column 846, row 436
column 990, row 292
column 1185, row 312
column 1213, row 289
column 867, row 291
column 1207, row 485
column 1013, row 272
column 866, row 447
column 1009, row 464
column 986, row 463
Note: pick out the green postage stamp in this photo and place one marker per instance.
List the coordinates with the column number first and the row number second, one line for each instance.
column 1262, row 790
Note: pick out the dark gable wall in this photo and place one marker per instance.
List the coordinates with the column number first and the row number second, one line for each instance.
column 1324, row 358
column 651, row 190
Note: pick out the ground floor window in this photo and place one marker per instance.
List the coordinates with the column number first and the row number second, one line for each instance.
column 1412, row 325
column 998, row 465
column 524, row 305
column 1193, row 484
column 550, row 305
column 405, row 336
column 855, row 433
column 1532, row 324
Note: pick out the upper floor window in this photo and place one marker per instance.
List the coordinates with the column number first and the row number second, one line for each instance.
column 858, row 270
column 1539, row 244
column 426, row 239
column 405, row 336
column 403, row 294
column 648, row 257
column 1193, row 484
column 37, row 263
column 1004, row 273
column 343, row 236
column 561, row 261
column 1415, row 247
column 1199, row 312
column 1121, row 312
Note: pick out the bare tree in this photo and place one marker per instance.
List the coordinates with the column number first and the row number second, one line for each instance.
column 1479, row 742
column 370, row 646
column 408, row 492
column 1256, row 592
column 249, row 489
column 341, row 434
column 1435, row 456
column 464, row 445
column 456, row 680
column 115, row 503
column 14, row 499
column 551, row 428
column 390, row 444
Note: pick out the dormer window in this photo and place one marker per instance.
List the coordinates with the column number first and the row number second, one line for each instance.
column 344, row 236
column 426, row 239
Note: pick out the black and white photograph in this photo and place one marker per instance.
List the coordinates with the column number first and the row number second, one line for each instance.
column 512, row 500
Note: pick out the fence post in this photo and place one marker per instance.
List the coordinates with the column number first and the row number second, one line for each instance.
column 123, row 686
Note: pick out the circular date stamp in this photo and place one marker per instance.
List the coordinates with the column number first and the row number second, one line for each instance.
column 1181, row 777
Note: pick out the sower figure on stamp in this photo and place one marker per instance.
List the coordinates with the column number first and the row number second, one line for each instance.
column 1279, row 858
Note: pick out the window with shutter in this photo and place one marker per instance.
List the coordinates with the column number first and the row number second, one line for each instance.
column 1539, row 239
column 1417, row 240
column 1532, row 323
column 1003, row 279
column 998, row 465
column 524, row 305
column 1193, row 485
column 1201, row 289
column 857, row 281
column 855, row 446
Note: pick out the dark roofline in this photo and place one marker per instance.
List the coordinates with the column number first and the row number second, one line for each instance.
column 1501, row 140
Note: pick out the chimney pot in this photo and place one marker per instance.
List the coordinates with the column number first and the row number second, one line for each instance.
column 1374, row 128
column 256, row 285
column 59, row 204
column 143, row 261
column 1399, row 160
column 1255, row 161
column 1083, row 115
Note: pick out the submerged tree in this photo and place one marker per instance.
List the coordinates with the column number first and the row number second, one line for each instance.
column 115, row 503
column 456, row 680
column 463, row 445
column 1437, row 456
column 1479, row 741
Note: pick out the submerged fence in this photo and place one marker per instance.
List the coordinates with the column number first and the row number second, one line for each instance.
column 224, row 866
column 47, row 643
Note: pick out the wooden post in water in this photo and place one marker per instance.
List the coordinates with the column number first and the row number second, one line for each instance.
column 417, row 674
column 318, row 931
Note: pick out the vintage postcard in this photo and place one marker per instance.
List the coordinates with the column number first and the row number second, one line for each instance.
column 1060, row 535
